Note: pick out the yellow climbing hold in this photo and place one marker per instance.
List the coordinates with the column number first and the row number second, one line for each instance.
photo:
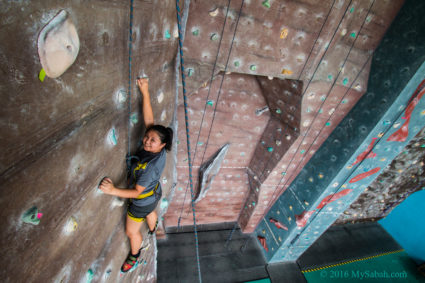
column 284, row 33
column 287, row 72
column 42, row 75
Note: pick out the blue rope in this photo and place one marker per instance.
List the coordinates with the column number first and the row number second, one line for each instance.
column 188, row 137
column 130, row 45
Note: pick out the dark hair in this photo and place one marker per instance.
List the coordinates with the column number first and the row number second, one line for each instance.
column 165, row 134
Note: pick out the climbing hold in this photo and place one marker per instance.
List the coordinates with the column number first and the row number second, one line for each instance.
column 344, row 101
column 214, row 12
column 353, row 35
column 302, row 151
column 352, row 9
column 164, row 203
column 270, row 149
column 32, row 216
column 310, row 180
column 253, row 67
column 283, row 173
column 210, row 103
column 190, row 72
column 386, row 123
column 284, row 33
column 236, row 63
column 112, row 138
column 176, row 33
column 278, row 142
column 344, row 32
column 160, row 97
column 89, row 276
column 278, row 111
column 270, row 78
column 41, row 75
column 180, row 189
column 200, row 143
column 290, row 207
column 58, row 45
column 214, row 36
column 286, row 72
column 328, row 123
column 330, row 77
column 167, row 34
column 195, row 32
column 121, row 96
column 71, row 225
column 320, row 111
column 345, row 81
column 263, row 242
column 278, row 224
column 321, row 176
column 266, row 3
column 253, row 203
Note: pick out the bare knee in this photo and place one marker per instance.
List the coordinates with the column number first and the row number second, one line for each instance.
column 132, row 232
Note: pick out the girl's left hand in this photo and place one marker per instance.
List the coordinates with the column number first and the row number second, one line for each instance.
column 107, row 186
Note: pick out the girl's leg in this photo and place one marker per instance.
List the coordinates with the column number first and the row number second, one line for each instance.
column 151, row 219
column 132, row 229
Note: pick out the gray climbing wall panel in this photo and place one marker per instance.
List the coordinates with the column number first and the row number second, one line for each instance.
column 61, row 136
column 383, row 122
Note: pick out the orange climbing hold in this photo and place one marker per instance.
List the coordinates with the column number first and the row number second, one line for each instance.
column 287, row 72
column 284, row 33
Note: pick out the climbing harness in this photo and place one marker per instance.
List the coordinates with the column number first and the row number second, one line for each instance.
column 188, row 137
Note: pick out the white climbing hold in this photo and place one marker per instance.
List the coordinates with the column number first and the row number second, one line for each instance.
column 58, row 45
column 214, row 12
column 160, row 97
column 163, row 115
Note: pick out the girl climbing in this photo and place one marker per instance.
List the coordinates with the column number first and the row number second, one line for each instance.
column 145, row 188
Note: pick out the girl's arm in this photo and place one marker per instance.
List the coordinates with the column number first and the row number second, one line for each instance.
column 108, row 188
column 147, row 107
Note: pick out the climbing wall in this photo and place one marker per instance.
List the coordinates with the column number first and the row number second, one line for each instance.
column 324, row 47
column 62, row 133
column 377, row 129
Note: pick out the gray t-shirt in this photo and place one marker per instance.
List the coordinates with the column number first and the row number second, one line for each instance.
column 147, row 174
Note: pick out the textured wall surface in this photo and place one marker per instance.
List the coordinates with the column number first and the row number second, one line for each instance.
column 57, row 142
column 377, row 129
column 323, row 46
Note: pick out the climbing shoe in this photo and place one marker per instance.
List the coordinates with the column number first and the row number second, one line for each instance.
column 154, row 229
column 130, row 262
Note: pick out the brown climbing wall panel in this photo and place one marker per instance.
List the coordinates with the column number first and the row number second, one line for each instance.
column 325, row 45
column 62, row 135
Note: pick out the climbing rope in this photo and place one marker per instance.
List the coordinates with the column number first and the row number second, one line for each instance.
column 130, row 45
column 205, row 108
column 188, row 137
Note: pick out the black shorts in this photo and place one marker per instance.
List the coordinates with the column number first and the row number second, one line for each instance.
column 139, row 213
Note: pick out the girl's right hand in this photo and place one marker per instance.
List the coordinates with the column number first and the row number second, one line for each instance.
column 143, row 84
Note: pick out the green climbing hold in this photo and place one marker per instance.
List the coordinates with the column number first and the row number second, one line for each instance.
column 253, row 67
column 180, row 189
column 422, row 145
column 302, row 151
column 42, row 75
column 167, row 34
column 200, row 143
column 236, row 63
column 328, row 123
column 195, row 32
column 352, row 9
column 32, row 216
column 323, row 98
column 190, row 72
column 214, row 37
column 345, row 81
column 308, row 109
column 253, row 203
column 320, row 111
column 283, row 173
column 330, row 77
column 134, row 118
column 266, row 3
column 386, row 123
column 344, row 101
column 210, row 102
column 164, row 203
column 278, row 111
column 89, row 275
column 353, row 35
column 270, row 149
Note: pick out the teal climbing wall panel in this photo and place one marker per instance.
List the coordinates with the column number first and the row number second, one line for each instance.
column 377, row 129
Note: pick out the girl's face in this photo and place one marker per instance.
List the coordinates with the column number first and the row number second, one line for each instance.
column 152, row 142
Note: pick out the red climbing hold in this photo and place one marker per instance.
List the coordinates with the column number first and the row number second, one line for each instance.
column 401, row 134
column 367, row 153
column 278, row 224
column 364, row 175
column 263, row 242
column 303, row 218
column 333, row 197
